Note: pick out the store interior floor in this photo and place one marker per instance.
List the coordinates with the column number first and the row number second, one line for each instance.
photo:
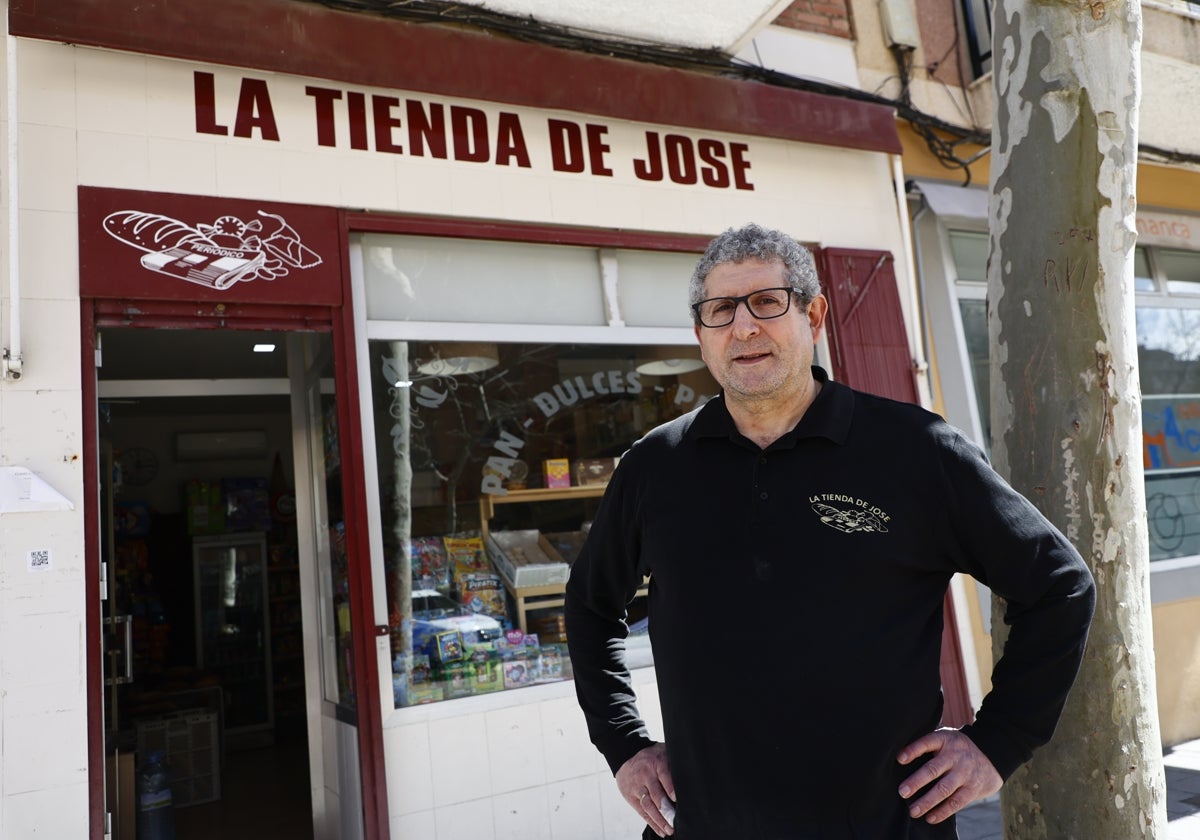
column 264, row 794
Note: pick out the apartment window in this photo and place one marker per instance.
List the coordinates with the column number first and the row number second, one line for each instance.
column 977, row 23
column 1167, row 285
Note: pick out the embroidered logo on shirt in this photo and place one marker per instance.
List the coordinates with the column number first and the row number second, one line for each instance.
column 849, row 514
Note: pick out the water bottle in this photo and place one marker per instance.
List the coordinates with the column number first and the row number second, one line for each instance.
column 155, row 814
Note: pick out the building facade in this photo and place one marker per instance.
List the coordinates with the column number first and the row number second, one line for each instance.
column 938, row 61
column 464, row 260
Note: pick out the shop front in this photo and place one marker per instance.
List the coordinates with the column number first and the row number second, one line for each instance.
column 341, row 560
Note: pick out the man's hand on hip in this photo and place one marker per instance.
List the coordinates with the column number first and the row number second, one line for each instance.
column 645, row 782
column 957, row 775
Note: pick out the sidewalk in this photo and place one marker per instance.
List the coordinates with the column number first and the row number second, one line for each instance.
column 982, row 820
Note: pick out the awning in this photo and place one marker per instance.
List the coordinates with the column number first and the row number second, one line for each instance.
column 954, row 202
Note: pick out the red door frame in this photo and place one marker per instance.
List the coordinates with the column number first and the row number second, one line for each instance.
column 339, row 320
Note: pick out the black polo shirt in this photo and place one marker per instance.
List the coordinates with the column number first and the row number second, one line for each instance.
column 796, row 612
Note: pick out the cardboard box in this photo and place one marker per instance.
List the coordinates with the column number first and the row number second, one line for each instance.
column 524, row 558
column 558, row 472
column 590, row 471
column 566, row 545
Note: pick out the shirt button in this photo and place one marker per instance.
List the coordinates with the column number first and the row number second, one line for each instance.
column 762, row 496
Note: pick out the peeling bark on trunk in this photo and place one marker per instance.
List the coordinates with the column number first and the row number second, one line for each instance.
column 1065, row 395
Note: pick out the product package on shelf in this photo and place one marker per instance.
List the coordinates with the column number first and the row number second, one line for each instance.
column 526, row 559
column 590, row 471
column 247, row 504
column 558, row 472
column 483, row 593
column 466, row 556
column 430, row 565
column 205, row 511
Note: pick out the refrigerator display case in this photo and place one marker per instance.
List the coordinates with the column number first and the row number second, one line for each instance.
column 233, row 639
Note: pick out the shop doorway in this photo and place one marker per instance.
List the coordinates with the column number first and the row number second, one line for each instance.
column 226, row 625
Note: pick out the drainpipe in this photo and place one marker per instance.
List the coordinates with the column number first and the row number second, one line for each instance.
column 920, row 360
column 12, row 353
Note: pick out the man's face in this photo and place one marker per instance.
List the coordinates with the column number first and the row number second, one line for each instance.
column 754, row 359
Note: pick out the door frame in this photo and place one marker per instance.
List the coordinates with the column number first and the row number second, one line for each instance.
column 97, row 313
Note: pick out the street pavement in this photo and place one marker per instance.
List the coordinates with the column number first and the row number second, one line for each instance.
column 981, row 821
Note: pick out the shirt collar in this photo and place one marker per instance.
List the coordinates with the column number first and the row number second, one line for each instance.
column 829, row 416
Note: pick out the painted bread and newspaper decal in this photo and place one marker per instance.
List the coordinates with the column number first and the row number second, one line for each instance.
column 217, row 255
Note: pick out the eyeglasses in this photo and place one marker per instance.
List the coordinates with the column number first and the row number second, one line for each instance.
column 763, row 304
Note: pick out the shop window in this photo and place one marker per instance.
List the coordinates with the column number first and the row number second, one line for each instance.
column 654, row 288
column 1181, row 270
column 1168, row 341
column 421, row 278
column 492, row 458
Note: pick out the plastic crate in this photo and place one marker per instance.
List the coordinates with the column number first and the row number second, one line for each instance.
column 191, row 743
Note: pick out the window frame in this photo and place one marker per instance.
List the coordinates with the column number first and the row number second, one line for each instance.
column 1170, row 579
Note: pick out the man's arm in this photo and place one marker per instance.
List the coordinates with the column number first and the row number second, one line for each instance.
column 1001, row 539
column 1049, row 595
column 604, row 578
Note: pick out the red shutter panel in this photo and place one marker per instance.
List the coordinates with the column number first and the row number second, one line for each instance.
column 869, row 345
column 866, row 325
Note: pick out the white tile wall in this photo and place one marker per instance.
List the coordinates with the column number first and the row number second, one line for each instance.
column 517, row 764
column 408, row 762
column 461, row 765
column 183, row 166
column 47, row 167
column 110, row 92
column 52, row 812
column 49, row 254
column 574, row 808
column 46, row 73
column 522, row 815
column 465, row 821
column 515, row 748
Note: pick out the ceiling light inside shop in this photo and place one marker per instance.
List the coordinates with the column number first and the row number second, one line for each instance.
column 264, row 348
column 670, row 361
column 458, row 357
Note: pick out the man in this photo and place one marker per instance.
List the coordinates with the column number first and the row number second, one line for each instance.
column 800, row 537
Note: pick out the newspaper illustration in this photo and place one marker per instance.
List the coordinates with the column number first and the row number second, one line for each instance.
column 216, row 255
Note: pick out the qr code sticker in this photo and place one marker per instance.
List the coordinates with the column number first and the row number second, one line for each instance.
column 39, row 560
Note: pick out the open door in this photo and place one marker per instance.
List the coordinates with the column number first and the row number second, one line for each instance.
column 331, row 701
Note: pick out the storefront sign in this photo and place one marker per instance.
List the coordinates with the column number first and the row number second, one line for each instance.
column 161, row 246
column 419, row 128
column 1171, row 432
column 1168, row 230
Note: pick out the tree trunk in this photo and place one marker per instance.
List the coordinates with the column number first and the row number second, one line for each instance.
column 1065, row 397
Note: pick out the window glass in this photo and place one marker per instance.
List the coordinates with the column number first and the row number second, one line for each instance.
column 1143, row 280
column 424, row 278
column 970, row 250
column 1168, row 351
column 1182, row 270
column 492, row 459
column 654, row 288
column 975, row 331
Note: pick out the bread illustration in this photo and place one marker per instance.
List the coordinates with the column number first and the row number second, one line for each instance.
column 150, row 231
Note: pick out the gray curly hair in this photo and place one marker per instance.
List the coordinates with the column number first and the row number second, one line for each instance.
column 754, row 242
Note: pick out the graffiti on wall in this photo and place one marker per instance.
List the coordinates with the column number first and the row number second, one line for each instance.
column 1171, row 431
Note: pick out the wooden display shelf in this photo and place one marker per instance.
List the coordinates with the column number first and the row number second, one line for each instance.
column 549, row 596
column 488, row 501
